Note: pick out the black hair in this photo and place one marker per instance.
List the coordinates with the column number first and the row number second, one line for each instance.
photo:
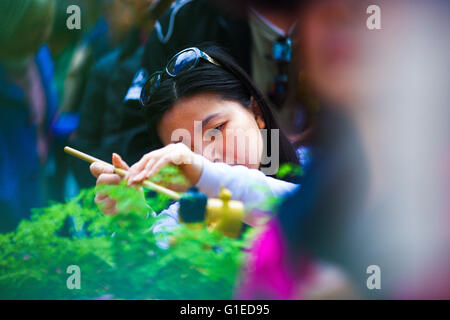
column 229, row 81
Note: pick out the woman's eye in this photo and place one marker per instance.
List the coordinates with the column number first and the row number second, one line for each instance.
column 213, row 131
column 220, row 127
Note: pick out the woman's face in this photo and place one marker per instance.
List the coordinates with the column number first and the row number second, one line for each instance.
column 220, row 130
column 331, row 32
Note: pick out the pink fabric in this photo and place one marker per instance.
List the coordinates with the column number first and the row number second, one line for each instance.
column 269, row 274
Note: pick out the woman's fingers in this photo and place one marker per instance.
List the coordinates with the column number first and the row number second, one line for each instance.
column 97, row 168
column 144, row 173
column 152, row 167
column 105, row 175
column 118, row 162
column 154, row 161
column 100, row 196
column 106, row 204
column 158, row 166
column 140, row 166
column 141, row 171
column 108, row 178
column 136, row 168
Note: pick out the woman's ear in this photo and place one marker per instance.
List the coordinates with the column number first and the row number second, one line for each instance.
column 257, row 113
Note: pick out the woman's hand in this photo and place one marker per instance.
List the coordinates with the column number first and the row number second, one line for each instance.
column 177, row 154
column 105, row 175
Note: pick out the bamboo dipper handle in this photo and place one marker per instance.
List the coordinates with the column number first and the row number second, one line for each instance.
column 150, row 185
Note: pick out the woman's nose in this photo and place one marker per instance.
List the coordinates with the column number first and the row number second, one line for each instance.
column 216, row 156
column 213, row 155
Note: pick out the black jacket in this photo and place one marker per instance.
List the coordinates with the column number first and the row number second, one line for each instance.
column 106, row 122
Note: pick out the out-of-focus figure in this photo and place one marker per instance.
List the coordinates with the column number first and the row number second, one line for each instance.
column 74, row 52
column 27, row 103
column 375, row 202
column 107, row 123
column 63, row 44
column 114, row 20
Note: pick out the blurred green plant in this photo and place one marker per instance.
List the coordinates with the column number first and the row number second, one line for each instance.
column 118, row 256
column 289, row 170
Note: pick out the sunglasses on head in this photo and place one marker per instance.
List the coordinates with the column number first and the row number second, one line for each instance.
column 184, row 60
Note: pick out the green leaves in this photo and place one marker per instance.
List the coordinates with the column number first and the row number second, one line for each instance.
column 118, row 255
column 289, row 169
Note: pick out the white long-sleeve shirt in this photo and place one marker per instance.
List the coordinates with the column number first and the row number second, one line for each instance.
column 250, row 186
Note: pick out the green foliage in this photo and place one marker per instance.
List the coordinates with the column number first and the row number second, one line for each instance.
column 170, row 174
column 289, row 169
column 118, row 255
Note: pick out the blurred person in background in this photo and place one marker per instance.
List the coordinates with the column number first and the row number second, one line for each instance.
column 63, row 44
column 103, row 25
column 27, row 101
column 106, row 123
column 279, row 267
column 63, row 41
column 74, row 56
column 276, row 66
column 377, row 193
column 114, row 19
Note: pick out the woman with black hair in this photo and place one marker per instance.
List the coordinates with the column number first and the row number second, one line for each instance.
column 206, row 96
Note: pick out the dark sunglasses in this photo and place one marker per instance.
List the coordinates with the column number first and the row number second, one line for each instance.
column 184, row 60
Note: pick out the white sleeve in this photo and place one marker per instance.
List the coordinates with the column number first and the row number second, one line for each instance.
column 166, row 221
column 250, row 186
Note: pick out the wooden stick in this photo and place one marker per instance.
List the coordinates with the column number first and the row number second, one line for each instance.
column 147, row 183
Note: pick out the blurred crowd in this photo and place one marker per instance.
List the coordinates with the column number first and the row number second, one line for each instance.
column 367, row 109
column 47, row 72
